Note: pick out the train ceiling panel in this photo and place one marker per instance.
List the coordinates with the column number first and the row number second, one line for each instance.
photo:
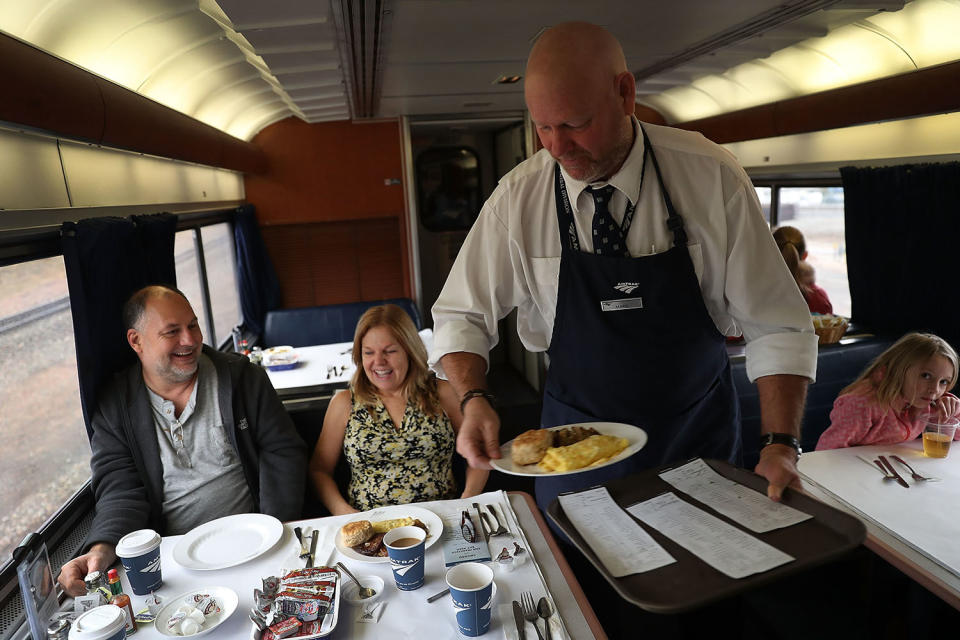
column 240, row 65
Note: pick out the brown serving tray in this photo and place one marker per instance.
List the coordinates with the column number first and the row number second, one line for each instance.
column 689, row 582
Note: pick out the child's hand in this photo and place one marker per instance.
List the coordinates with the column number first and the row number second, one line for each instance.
column 947, row 406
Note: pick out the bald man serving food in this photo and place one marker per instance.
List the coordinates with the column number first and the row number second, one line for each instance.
column 630, row 250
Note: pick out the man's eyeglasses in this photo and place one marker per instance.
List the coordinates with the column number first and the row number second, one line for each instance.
column 466, row 527
column 177, row 432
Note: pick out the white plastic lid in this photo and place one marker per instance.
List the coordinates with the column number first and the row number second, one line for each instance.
column 100, row 623
column 137, row 543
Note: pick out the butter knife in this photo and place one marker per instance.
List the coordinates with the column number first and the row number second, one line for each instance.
column 305, row 543
column 518, row 617
column 900, row 480
column 313, row 548
column 482, row 522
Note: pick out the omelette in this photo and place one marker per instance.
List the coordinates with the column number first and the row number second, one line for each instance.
column 591, row 451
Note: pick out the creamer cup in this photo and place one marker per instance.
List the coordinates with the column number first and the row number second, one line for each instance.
column 139, row 552
column 100, row 623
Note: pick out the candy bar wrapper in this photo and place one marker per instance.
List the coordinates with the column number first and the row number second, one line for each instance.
column 310, row 628
column 293, row 604
column 311, row 573
column 262, row 602
column 286, row 628
column 313, row 586
column 271, row 585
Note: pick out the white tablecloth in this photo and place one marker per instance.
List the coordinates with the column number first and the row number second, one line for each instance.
column 925, row 517
column 315, row 362
column 406, row 614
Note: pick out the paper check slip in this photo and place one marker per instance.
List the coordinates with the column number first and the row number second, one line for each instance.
column 721, row 545
column 743, row 505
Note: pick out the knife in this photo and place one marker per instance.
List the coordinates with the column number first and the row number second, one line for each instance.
column 518, row 617
column 483, row 526
column 900, row 480
column 313, row 549
column 305, row 543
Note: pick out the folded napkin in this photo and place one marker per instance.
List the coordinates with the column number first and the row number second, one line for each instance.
column 505, row 613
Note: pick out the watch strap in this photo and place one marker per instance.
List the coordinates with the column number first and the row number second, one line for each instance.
column 780, row 438
column 475, row 393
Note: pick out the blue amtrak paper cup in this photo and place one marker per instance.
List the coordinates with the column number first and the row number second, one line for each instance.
column 471, row 590
column 406, row 547
column 139, row 552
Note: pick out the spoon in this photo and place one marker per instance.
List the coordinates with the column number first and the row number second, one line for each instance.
column 543, row 608
column 362, row 591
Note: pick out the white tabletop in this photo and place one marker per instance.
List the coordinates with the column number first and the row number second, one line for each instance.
column 405, row 614
column 316, row 363
column 916, row 528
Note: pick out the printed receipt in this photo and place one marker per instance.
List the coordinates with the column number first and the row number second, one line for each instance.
column 621, row 544
column 741, row 504
column 721, row 545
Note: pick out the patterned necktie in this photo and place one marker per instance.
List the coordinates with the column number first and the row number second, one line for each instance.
column 607, row 238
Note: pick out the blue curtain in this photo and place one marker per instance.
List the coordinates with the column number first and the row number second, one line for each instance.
column 106, row 260
column 259, row 286
column 902, row 223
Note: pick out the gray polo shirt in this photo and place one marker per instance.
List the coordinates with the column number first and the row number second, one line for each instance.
column 202, row 476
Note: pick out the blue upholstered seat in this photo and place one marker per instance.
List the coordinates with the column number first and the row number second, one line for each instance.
column 325, row 324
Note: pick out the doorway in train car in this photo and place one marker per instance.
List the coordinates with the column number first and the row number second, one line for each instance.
column 456, row 166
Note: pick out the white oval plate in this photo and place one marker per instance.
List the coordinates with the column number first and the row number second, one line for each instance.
column 636, row 436
column 427, row 517
column 224, row 595
column 227, row 542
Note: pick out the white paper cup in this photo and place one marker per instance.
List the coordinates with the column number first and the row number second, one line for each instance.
column 100, row 623
column 139, row 552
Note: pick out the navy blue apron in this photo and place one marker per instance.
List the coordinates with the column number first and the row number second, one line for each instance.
column 633, row 342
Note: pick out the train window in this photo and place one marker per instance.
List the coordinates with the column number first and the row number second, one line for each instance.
column 763, row 194
column 448, row 182
column 818, row 213
column 46, row 453
column 188, row 278
column 220, row 261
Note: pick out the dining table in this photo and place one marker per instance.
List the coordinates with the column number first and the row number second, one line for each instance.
column 403, row 614
column 320, row 371
column 916, row 528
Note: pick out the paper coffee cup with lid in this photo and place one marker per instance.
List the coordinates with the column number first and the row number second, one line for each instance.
column 139, row 552
column 100, row 623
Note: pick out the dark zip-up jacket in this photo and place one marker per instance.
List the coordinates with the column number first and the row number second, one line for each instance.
column 127, row 474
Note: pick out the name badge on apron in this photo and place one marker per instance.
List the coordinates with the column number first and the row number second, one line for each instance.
column 622, row 304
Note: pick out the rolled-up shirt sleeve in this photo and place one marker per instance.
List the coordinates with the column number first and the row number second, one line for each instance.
column 762, row 295
column 479, row 291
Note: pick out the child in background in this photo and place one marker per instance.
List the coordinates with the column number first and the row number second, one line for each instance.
column 890, row 401
column 793, row 248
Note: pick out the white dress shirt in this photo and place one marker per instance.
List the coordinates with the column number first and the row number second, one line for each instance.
column 511, row 257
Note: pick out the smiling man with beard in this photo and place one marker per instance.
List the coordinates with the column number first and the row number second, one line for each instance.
column 185, row 436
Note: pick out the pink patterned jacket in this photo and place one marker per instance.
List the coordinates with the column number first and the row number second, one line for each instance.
column 857, row 419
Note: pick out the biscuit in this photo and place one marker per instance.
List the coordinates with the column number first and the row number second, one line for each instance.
column 530, row 446
column 357, row 532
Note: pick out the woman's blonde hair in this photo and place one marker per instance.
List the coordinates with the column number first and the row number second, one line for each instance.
column 792, row 247
column 420, row 385
column 888, row 371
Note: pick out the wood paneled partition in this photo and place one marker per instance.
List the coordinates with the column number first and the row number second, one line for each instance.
column 330, row 207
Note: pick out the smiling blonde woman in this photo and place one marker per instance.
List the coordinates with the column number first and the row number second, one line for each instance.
column 396, row 424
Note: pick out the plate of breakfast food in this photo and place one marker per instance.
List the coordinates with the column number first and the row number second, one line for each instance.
column 569, row 448
column 361, row 539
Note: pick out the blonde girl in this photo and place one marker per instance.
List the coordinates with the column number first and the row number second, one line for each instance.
column 793, row 248
column 898, row 392
column 396, row 424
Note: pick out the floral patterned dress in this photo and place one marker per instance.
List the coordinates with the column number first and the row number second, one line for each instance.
column 397, row 466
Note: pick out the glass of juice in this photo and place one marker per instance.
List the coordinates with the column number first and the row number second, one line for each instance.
column 937, row 436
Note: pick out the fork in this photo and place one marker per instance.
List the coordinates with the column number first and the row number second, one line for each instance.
column 913, row 474
column 530, row 611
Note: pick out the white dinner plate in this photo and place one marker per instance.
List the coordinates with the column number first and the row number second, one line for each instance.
column 225, row 597
column 636, row 436
column 427, row 517
column 227, row 542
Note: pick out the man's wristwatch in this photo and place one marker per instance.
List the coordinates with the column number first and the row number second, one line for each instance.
column 475, row 393
column 781, row 438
